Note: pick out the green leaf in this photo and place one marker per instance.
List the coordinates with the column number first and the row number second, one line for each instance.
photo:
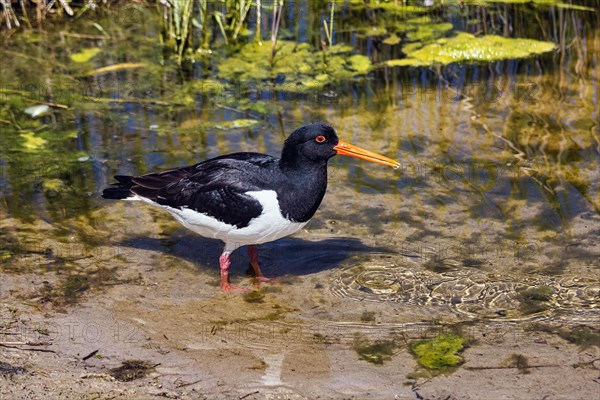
column 85, row 55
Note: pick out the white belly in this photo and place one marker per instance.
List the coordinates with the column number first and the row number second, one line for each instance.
column 268, row 226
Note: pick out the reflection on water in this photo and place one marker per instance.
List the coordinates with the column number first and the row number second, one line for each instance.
column 494, row 213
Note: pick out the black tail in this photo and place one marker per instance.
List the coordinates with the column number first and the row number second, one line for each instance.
column 121, row 190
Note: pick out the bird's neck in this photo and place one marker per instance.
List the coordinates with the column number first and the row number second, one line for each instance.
column 307, row 183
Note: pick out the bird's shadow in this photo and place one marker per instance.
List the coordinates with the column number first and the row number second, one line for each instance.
column 287, row 256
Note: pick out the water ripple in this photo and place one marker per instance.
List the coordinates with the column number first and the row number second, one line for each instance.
column 469, row 292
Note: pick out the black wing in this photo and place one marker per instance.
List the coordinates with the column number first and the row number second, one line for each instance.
column 216, row 187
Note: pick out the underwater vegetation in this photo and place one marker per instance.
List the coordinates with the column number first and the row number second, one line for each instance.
column 376, row 352
column 439, row 352
column 583, row 336
column 518, row 361
column 131, row 370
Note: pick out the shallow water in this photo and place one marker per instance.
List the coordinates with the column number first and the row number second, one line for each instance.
column 494, row 214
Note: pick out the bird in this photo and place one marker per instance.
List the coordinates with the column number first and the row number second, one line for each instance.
column 247, row 199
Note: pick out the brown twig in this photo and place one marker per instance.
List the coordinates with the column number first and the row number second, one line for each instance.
column 187, row 384
column 249, row 394
column 92, row 354
column 24, row 349
column 56, row 105
column 25, row 343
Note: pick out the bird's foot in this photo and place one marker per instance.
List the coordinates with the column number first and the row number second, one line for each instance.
column 265, row 279
column 227, row 287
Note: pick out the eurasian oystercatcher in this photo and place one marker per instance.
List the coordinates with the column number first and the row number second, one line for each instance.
column 247, row 198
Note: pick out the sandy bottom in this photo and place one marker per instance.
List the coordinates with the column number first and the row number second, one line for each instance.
column 69, row 321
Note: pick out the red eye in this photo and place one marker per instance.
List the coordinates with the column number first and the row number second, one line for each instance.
column 320, row 139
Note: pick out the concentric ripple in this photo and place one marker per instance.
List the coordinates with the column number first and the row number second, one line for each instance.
column 470, row 292
column 378, row 282
column 381, row 283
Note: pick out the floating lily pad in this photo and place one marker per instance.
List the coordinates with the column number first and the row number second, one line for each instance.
column 405, row 62
column 298, row 64
column 439, row 352
column 85, row 55
column 340, row 48
column 374, row 31
column 557, row 3
column 237, row 124
column 32, row 142
column 429, row 31
column 392, row 39
column 466, row 47
column 392, row 6
column 53, row 185
column 360, row 64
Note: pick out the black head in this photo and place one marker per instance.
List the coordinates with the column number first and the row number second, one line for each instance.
column 312, row 143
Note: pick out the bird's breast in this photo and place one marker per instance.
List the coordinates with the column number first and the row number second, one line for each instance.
column 270, row 225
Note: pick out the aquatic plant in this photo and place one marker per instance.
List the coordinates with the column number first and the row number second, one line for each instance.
column 329, row 28
column 465, row 47
column 538, row 3
column 376, row 352
column 583, row 336
column 391, row 6
column 255, row 296
column 177, row 20
column 131, row 370
column 439, row 352
column 228, row 17
column 518, row 361
column 276, row 21
column 42, row 8
column 295, row 66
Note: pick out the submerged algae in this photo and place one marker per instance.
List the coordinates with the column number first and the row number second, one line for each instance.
column 131, row 370
column 439, row 352
column 583, row 336
column 466, row 47
column 375, row 353
column 518, row 361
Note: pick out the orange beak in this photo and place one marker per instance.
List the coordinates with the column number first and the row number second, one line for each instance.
column 347, row 149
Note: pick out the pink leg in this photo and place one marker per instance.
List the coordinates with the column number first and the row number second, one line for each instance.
column 225, row 263
column 253, row 256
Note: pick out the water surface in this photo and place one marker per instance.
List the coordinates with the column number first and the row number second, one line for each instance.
column 494, row 214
